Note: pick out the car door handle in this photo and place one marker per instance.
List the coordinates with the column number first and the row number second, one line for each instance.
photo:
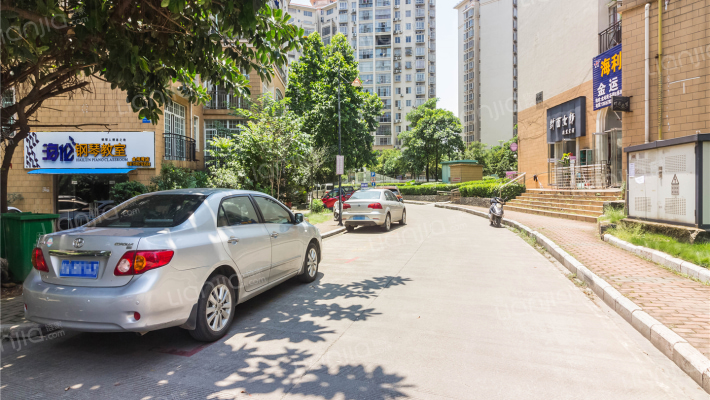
column 233, row 240
column 274, row 235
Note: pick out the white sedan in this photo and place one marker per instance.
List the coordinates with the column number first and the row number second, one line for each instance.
column 373, row 207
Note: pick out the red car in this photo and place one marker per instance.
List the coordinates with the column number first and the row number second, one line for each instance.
column 331, row 197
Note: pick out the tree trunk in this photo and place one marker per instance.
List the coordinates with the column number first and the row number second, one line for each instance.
column 436, row 163
column 6, row 163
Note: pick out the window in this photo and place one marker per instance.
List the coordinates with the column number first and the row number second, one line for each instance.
column 326, row 30
column 152, row 211
column 343, row 18
column 366, row 66
column 397, row 39
column 383, row 3
column 366, row 41
column 397, row 27
column 329, row 11
column 420, row 77
column 365, row 54
column 398, row 103
column 382, row 27
column 383, row 65
column 398, row 116
column 397, row 90
column 408, row 65
column 409, row 77
column 409, row 103
column 383, row 14
column 365, row 28
column 421, row 51
column 369, row 90
column 196, row 132
column 343, row 5
column 383, row 40
column 219, row 128
column 384, row 52
column 398, row 129
column 272, row 211
column 408, row 90
column 236, row 211
column 308, row 13
column 366, row 79
column 308, row 31
column 408, row 39
column 384, row 130
column 397, row 14
column 384, row 78
column 409, row 26
column 366, row 15
column 384, row 91
column 174, row 118
column 398, row 78
column 408, row 13
column 420, row 38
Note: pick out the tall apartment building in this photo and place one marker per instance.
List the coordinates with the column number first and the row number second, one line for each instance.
column 488, row 72
column 395, row 43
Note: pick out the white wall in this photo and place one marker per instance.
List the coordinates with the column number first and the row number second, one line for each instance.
column 496, row 71
column 557, row 40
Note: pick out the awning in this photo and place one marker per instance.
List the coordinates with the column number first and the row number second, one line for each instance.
column 80, row 171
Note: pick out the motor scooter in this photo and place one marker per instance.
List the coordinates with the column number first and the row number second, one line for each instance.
column 495, row 213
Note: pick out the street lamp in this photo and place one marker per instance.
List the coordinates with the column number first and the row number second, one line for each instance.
column 355, row 83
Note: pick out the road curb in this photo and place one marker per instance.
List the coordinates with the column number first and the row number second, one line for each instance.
column 332, row 233
column 659, row 257
column 684, row 355
column 419, row 203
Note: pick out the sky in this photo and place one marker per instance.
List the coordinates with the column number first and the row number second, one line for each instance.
column 446, row 53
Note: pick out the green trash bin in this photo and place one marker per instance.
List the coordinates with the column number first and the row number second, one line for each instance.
column 20, row 232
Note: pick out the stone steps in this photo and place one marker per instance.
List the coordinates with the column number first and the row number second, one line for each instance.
column 597, row 209
column 578, row 217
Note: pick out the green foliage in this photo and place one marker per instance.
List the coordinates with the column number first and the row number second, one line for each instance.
column 123, row 191
column 484, row 189
column 612, row 215
column 435, row 133
column 496, row 160
column 224, row 178
column 317, row 206
column 390, row 163
column 172, row 177
column 422, row 190
column 697, row 253
column 313, row 93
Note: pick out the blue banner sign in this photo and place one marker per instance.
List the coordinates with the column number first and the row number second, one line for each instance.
column 567, row 121
column 606, row 70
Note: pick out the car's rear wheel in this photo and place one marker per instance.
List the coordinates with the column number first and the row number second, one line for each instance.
column 349, row 228
column 403, row 221
column 310, row 265
column 388, row 223
column 215, row 309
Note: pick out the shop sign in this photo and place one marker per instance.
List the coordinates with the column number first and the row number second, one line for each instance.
column 567, row 121
column 606, row 72
column 90, row 150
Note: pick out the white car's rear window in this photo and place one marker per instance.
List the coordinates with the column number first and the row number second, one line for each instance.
column 366, row 195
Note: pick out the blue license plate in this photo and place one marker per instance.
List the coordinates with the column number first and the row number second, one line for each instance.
column 79, row 269
column 359, row 217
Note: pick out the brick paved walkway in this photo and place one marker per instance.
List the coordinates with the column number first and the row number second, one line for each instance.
column 681, row 304
column 12, row 311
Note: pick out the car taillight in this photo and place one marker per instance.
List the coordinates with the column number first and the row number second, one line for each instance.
column 346, row 206
column 137, row 262
column 38, row 260
column 376, row 206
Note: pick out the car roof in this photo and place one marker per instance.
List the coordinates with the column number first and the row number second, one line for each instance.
column 207, row 191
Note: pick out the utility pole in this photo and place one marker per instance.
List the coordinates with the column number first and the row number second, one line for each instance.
column 355, row 83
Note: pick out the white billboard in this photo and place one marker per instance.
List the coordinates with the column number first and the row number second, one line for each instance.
column 90, row 150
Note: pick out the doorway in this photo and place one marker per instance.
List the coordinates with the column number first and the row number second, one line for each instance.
column 80, row 198
column 608, row 147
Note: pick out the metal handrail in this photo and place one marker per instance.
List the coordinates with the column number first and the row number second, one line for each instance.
column 500, row 190
column 610, row 37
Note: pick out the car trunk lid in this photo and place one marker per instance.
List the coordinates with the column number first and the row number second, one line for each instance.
column 87, row 256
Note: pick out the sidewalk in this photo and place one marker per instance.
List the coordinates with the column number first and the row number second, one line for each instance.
column 679, row 303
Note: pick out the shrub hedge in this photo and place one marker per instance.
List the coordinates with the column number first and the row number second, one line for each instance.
column 484, row 189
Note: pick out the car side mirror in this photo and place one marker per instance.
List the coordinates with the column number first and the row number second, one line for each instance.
column 299, row 218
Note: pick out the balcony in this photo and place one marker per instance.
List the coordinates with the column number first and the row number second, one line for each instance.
column 222, row 100
column 610, row 37
column 179, row 147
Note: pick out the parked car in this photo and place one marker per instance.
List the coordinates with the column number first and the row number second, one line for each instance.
column 372, row 207
column 394, row 190
column 330, row 198
column 175, row 258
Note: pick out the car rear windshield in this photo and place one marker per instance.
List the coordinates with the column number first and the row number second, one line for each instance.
column 366, row 195
column 152, row 211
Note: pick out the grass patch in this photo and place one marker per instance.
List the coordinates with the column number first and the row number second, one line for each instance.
column 698, row 253
column 317, row 218
column 612, row 215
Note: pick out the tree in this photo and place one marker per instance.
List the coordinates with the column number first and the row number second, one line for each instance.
column 476, row 151
column 272, row 147
column 313, row 92
column 143, row 47
column 500, row 159
column 390, row 163
column 435, row 132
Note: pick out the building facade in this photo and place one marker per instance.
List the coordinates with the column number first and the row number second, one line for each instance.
column 395, row 45
column 487, row 69
column 45, row 179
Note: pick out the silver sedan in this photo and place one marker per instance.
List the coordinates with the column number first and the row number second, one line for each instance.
column 373, row 207
column 175, row 258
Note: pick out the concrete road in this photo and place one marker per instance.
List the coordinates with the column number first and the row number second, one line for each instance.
column 445, row 307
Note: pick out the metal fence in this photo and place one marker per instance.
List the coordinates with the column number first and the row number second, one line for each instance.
column 179, row 147
column 595, row 176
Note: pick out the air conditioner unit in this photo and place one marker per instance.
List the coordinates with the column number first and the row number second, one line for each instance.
column 401, row 95
column 396, row 6
column 398, row 121
column 400, row 107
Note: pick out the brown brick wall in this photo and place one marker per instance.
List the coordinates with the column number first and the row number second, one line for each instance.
column 109, row 107
column 532, row 133
column 686, row 56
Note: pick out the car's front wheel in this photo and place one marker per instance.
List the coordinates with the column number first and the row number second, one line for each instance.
column 403, row 221
column 215, row 309
column 310, row 265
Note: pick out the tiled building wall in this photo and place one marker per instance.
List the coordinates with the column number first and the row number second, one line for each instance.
column 532, row 133
column 686, row 69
